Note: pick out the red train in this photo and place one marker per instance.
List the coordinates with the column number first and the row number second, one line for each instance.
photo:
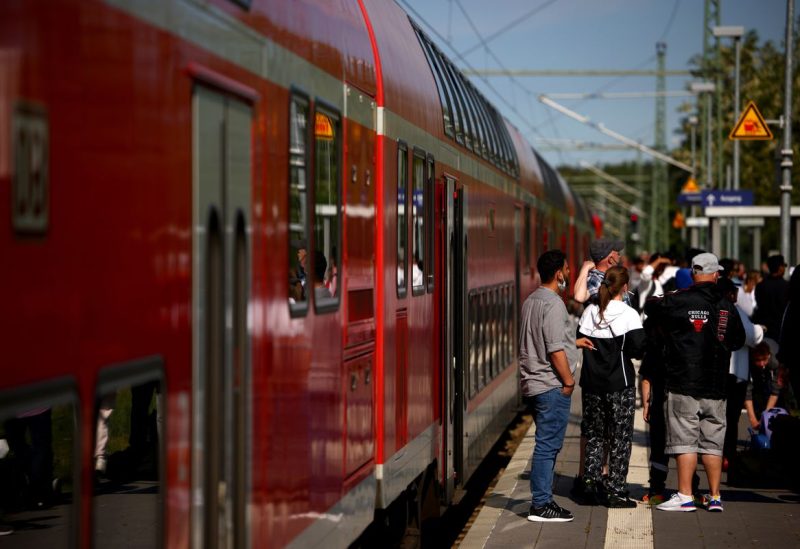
column 263, row 265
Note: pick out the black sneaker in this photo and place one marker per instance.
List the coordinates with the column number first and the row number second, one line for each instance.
column 550, row 512
column 619, row 501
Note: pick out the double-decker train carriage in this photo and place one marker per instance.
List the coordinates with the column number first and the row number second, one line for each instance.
column 264, row 263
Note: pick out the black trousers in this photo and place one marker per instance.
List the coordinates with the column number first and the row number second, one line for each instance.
column 659, row 461
column 736, row 391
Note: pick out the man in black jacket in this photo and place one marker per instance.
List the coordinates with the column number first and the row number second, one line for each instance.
column 772, row 294
column 700, row 328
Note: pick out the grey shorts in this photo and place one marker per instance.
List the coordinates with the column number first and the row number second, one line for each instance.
column 694, row 425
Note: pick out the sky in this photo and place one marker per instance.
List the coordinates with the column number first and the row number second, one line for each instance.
column 585, row 35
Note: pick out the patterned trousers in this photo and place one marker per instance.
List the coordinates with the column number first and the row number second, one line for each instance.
column 608, row 423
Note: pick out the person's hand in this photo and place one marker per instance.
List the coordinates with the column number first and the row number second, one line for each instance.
column 567, row 391
column 754, row 423
column 585, row 343
column 646, row 410
column 588, row 265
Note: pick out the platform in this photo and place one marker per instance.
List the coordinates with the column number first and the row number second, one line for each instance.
column 752, row 516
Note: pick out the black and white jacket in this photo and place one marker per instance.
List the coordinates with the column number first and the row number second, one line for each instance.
column 617, row 337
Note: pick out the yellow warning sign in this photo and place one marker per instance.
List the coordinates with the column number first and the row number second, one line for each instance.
column 690, row 186
column 751, row 125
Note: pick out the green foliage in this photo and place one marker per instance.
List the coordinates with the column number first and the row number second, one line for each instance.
column 762, row 72
column 762, row 81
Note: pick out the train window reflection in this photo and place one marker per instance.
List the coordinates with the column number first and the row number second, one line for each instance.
column 444, row 99
column 37, row 471
column 418, row 206
column 402, row 238
column 298, row 205
column 327, row 235
column 430, row 175
column 129, row 419
column 474, row 344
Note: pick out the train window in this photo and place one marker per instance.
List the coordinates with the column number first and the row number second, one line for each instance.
column 298, row 204
column 458, row 117
column 460, row 105
column 39, row 472
column 474, row 344
column 486, row 338
column 127, row 456
column 494, row 153
column 444, row 98
column 483, row 149
column 470, row 134
column 504, row 142
column 402, row 233
column 494, row 292
column 480, row 318
column 430, row 177
column 526, row 238
column 510, row 324
column 477, row 136
column 501, row 150
column 327, row 236
column 501, row 327
column 418, row 219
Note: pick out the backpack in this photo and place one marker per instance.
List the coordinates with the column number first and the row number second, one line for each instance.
column 767, row 419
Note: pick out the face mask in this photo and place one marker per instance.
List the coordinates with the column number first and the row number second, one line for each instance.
column 562, row 284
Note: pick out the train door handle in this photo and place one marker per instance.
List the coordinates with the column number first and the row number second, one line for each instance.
column 367, row 375
column 354, row 381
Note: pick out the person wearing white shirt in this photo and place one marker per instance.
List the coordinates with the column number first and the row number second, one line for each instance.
column 738, row 374
column 746, row 299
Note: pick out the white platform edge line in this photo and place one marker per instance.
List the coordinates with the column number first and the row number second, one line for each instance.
column 633, row 528
column 502, row 495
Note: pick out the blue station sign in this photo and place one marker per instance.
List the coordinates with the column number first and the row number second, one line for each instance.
column 689, row 198
column 727, row 198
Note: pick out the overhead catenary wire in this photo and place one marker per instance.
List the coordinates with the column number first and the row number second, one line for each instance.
column 461, row 58
column 533, row 127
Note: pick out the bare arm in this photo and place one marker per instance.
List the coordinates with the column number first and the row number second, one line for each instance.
column 751, row 414
column 772, row 401
column 580, row 291
column 646, row 399
column 559, row 361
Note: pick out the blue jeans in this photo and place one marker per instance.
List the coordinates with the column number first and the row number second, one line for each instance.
column 550, row 414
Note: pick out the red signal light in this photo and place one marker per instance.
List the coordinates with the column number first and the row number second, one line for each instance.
column 634, row 218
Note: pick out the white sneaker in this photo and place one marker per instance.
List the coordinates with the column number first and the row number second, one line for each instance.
column 678, row 502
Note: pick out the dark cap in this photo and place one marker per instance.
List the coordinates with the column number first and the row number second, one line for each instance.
column 601, row 249
column 775, row 262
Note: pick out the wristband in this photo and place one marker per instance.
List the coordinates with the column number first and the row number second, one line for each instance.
column 568, row 386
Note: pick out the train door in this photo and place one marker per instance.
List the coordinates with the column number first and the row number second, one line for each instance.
column 454, row 286
column 359, row 354
column 222, row 177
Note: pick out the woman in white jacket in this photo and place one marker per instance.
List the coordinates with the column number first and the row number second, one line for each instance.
column 608, row 385
column 738, row 373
